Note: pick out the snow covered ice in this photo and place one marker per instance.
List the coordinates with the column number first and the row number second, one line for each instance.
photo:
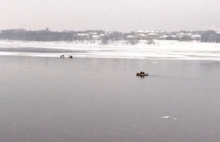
column 162, row 49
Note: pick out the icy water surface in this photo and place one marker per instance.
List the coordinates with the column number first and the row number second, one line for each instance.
column 102, row 100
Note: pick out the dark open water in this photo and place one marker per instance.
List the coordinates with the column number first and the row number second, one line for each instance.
column 101, row 100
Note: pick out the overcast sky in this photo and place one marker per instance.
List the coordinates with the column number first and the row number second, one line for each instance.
column 110, row 15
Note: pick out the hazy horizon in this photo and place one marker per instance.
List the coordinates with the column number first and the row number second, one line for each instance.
column 123, row 15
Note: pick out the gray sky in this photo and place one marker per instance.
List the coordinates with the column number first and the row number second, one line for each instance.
column 110, row 15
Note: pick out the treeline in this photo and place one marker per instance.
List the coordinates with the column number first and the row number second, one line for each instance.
column 46, row 35
column 210, row 36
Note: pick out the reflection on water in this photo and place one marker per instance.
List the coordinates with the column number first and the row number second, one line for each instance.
column 54, row 100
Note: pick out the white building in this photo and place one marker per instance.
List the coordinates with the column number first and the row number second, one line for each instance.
column 129, row 37
column 196, row 37
column 95, row 37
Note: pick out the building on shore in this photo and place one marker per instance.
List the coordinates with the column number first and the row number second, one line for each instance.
column 153, row 36
column 130, row 37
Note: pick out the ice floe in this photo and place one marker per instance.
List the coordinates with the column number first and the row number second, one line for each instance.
column 168, row 117
column 165, row 117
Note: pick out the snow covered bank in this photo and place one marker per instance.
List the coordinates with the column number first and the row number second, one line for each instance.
column 161, row 49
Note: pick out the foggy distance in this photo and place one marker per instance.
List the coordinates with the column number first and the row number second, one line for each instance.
column 111, row 15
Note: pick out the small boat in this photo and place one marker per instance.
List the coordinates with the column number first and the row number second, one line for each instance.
column 142, row 74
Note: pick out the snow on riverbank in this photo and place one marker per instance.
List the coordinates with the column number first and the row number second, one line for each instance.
column 117, row 49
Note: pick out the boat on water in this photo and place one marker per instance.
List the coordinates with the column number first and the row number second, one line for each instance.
column 142, row 74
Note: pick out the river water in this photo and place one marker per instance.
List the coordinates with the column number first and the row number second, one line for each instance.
column 102, row 100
